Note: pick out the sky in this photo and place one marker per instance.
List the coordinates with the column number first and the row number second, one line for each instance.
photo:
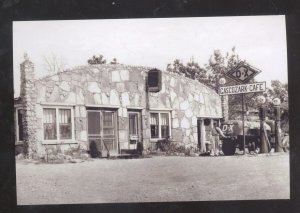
column 260, row 40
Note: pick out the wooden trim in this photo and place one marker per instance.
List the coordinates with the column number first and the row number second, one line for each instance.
column 55, row 104
column 160, row 109
column 102, row 106
column 56, row 142
column 132, row 107
column 205, row 117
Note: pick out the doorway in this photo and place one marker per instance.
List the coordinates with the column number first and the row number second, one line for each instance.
column 101, row 126
column 204, row 129
column 135, row 134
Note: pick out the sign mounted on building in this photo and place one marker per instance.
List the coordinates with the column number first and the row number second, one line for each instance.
column 154, row 80
column 242, row 73
column 243, row 88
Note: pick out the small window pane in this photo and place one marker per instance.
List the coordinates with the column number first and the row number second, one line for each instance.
column 65, row 125
column 164, row 117
column 133, row 124
column 94, row 122
column 154, row 118
column 49, row 124
column 108, row 119
column 108, row 124
column 154, row 125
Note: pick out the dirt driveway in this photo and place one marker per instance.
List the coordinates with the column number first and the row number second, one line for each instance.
column 156, row 179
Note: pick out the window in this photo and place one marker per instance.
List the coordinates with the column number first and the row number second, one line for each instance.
column 50, row 124
column 154, row 125
column 133, row 123
column 160, row 124
column 56, row 129
column 19, row 124
column 65, row 125
column 164, row 117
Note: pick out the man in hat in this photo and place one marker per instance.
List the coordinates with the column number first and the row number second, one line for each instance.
column 215, row 140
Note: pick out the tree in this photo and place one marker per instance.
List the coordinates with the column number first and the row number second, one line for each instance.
column 114, row 61
column 278, row 90
column 217, row 67
column 53, row 64
column 96, row 60
column 190, row 70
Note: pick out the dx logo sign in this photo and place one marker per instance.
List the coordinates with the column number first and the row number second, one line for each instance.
column 228, row 128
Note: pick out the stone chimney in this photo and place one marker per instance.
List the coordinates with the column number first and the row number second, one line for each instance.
column 28, row 96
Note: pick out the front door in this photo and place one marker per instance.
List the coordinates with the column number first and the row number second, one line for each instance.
column 134, row 129
column 102, row 133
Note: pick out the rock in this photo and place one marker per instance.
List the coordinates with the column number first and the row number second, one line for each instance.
column 175, row 123
column 173, row 95
column 97, row 98
column 93, row 87
column 76, row 160
column 114, row 98
column 185, row 123
column 115, row 76
column 104, row 98
column 184, row 105
column 124, row 75
column 84, row 155
column 188, row 113
column 68, row 157
column 65, row 86
column 193, row 154
column 201, row 98
column 20, row 156
column 51, row 157
column 125, row 99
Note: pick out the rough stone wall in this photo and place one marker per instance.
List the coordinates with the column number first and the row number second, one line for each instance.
column 28, row 96
column 189, row 100
column 116, row 86
column 123, row 87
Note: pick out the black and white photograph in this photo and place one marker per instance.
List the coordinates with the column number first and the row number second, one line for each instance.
column 151, row 110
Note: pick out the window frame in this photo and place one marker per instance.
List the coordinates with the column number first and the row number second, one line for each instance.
column 159, row 112
column 17, row 139
column 58, row 139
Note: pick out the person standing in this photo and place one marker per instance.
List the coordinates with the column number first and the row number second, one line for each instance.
column 286, row 142
column 216, row 144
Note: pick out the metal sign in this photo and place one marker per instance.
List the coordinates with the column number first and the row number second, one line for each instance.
column 243, row 88
column 242, row 73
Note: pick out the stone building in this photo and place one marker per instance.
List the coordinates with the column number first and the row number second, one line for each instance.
column 109, row 105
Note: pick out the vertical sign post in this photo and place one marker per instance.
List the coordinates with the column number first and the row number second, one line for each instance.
column 243, row 73
column 243, row 114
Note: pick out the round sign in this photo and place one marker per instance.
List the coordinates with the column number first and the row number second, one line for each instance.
column 222, row 81
column 276, row 101
column 261, row 99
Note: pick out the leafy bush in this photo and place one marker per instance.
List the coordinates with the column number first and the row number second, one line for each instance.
column 175, row 148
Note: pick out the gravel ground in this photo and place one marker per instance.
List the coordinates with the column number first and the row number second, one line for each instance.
column 156, row 179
